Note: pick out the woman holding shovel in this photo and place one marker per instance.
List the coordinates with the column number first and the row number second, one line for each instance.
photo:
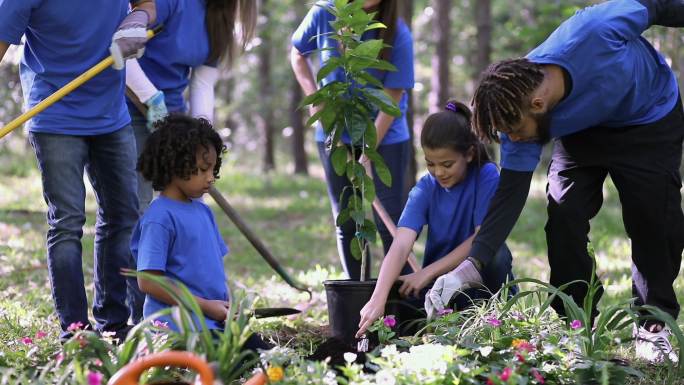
column 197, row 37
column 88, row 129
column 314, row 33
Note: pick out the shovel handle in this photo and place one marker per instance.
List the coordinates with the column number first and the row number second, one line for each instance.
column 62, row 92
column 389, row 223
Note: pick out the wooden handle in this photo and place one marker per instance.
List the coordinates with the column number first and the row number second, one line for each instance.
column 389, row 223
column 130, row 374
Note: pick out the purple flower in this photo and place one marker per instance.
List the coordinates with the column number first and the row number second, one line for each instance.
column 494, row 321
column 390, row 321
column 537, row 376
column 26, row 340
column 160, row 324
column 445, row 311
column 506, row 374
column 40, row 334
column 576, row 324
column 95, row 378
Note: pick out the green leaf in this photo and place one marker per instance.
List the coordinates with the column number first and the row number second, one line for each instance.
column 369, row 188
column 355, row 248
column 359, row 216
column 331, row 65
column 338, row 158
column 370, row 79
column 369, row 230
column 380, row 166
column 369, row 49
column 382, row 101
column 342, row 217
column 375, row 25
column 383, row 65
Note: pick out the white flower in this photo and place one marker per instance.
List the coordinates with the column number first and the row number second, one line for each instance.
column 389, row 351
column 486, row 350
column 385, row 377
column 349, row 357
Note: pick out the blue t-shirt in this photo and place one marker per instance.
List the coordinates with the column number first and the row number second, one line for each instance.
column 180, row 46
column 450, row 214
column 64, row 38
column 618, row 78
column 182, row 240
column 314, row 33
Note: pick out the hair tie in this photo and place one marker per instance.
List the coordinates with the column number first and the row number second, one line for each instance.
column 451, row 106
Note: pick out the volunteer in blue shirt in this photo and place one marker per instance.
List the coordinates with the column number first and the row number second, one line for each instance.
column 314, row 34
column 451, row 200
column 611, row 104
column 88, row 129
column 199, row 36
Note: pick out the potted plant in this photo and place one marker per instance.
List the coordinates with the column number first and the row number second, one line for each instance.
column 347, row 107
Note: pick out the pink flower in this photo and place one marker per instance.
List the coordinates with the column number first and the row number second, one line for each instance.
column 576, row 324
column 97, row 362
column 160, row 324
column 490, row 382
column 26, row 340
column 95, row 378
column 494, row 321
column 59, row 358
column 445, row 311
column 390, row 321
column 40, row 334
column 537, row 376
column 75, row 326
column 520, row 357
column 506, row 374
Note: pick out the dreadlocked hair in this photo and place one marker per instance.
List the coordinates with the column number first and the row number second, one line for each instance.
column 452, row 129
column 171, row 150
column 503, row 95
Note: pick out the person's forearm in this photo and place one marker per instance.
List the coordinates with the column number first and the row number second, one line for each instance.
column 393, row 263
column 451, row 260
column 303, row 73
column 149, row 7
column 504, row 210
column 668, row 13
column 157, row 292
column 383, row 121
column 3, row 48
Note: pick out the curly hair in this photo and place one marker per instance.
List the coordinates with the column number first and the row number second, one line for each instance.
column 452, row 129
column 171, row 150
column 503, row 95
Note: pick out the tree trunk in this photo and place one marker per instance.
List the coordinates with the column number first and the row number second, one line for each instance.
column 266, row 90
column 412, row 169
column 441, row 26
column 301, row 163
column 483, row 20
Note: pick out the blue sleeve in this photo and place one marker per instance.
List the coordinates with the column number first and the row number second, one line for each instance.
column 486, row 186
column 519, row 156
column 402, row 58
column 14, row 19
column 304, row 37
column 415, row 214
column 165, row 8
column 621, row 20
column 153, row 246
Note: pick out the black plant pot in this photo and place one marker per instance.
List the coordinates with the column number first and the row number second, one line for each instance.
column 346, row 298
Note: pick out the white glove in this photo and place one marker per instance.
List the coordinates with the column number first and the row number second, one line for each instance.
column 462, row 277
column 130, row 38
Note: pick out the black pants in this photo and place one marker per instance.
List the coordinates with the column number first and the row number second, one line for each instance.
column 643, row 162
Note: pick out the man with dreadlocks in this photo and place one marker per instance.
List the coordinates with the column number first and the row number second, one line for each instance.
column 611, row 103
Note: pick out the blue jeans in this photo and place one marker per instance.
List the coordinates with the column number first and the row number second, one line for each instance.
column 396, row 157
column 109, row 161
column 139, row 124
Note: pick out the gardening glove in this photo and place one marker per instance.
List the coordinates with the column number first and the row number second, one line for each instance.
column 130, row 38
column 156, row 109
column 462, row 277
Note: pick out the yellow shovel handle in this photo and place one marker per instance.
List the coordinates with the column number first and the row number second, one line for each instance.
column 60, row 93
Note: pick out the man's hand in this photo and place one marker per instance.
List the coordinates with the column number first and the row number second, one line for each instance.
column 371, row 311
column 413, row 283
column 216, row 309
column 462, row 277
column 130, row 38
column 156, row 109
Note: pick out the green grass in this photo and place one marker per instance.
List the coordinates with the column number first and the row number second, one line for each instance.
column 291, row 214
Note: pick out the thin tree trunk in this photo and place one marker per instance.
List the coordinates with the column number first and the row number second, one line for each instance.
column 301, row 163
column 483, row 21
column 441, row 26
column 266, row 90
column 412, row 169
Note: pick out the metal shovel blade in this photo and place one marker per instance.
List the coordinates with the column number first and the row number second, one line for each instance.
column 266, row 312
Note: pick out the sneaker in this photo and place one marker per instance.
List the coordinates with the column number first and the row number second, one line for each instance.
column 654, row 347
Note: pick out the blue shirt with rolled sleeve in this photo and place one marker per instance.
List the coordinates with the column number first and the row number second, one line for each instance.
column 452, row 214
column 618, row 78
column 314, row 34
column 182, row 45
column 63, row 39
column 182, row 240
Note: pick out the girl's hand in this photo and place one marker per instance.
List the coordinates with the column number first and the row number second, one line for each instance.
column 371, row 311
column 413, row 283
column 216, row 309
